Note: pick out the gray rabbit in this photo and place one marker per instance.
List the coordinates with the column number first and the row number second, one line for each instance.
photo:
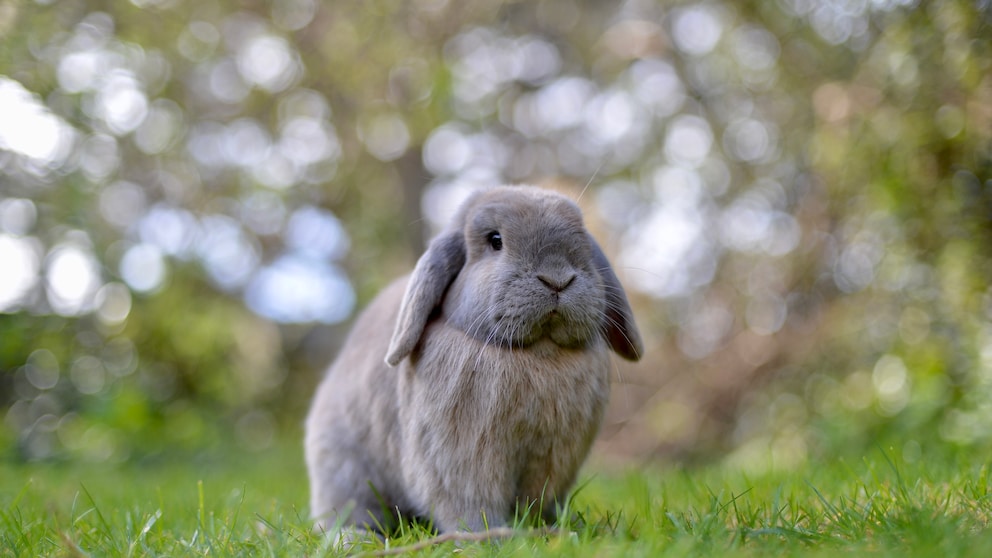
column 478, row 383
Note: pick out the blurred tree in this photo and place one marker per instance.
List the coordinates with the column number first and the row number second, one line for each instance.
column 194, row 197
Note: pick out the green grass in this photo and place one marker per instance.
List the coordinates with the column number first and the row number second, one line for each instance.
column 255, row 505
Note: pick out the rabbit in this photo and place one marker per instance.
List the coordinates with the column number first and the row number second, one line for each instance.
column 478, row 383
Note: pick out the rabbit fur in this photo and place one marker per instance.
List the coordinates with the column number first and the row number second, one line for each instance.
column 478, row 383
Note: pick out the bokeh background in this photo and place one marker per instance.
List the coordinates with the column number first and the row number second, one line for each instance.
column 197, row 196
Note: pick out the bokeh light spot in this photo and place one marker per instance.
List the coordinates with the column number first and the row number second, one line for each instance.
column 73, row 277
column 143, row 267
column 20, row 261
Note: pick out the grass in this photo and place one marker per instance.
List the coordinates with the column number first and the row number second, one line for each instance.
column 255, row 505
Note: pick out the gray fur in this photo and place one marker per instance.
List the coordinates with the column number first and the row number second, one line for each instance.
column 492, row 388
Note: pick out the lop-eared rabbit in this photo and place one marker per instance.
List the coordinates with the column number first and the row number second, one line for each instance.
column 478, row 383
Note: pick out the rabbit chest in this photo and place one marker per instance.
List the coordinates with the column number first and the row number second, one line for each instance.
column 514, row 421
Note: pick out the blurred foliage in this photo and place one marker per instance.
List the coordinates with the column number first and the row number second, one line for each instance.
column 195, row 197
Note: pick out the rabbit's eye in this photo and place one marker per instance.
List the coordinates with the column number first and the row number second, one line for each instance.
column 495, row 240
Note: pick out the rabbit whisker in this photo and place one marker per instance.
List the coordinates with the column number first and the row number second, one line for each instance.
column 620, row 328
column 475, row 327
column 591, row 178
column 483, row 318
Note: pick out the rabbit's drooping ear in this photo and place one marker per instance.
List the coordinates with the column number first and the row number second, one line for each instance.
column 621, row 331
column 434, row 272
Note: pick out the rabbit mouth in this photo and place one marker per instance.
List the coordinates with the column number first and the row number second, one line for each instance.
column 556, row 324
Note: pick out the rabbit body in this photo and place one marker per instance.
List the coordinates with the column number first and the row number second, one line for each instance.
column 492, row 386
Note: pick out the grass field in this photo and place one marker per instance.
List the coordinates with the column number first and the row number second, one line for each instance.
column 255, row 505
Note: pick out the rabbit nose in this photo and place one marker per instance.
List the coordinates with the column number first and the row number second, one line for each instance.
column 557, row 283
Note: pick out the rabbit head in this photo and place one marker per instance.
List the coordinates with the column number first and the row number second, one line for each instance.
column 517, row 267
